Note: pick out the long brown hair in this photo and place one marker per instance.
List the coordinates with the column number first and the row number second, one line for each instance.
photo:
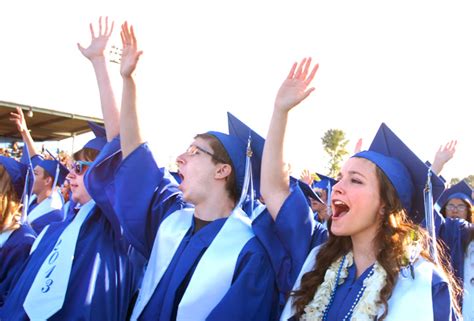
column 10, row 206
column 394, row 232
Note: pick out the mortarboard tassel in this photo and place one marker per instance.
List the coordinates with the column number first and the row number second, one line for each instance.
column 56, row 174
column 248, row 181
column 429, row 215
column 56, row 177
column 26, row 197
column 329, row 196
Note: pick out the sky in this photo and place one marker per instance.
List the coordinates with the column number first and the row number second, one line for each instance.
column 407, row 63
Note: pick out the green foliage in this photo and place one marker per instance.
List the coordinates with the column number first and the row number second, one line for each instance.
column 454, row 181
column 469, row 180
column 334, row 143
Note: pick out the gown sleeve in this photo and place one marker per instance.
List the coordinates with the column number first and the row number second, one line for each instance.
column 443, row 310
column 138, row 193
column 289, row 239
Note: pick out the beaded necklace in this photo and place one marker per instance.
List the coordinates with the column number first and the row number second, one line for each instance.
column 359, row 295
column 333, row 293
column 364, row 306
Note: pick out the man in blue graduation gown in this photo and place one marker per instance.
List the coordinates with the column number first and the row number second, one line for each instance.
column 204, row 262
column 46, row 203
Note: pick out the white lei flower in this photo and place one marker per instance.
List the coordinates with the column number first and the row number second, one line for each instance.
column 366, row 308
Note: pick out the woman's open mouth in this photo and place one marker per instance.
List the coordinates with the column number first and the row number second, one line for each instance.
column 339, row 209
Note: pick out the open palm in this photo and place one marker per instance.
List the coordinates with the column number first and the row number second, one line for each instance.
column 130, row 53
column 295, row 87
column 98, row 43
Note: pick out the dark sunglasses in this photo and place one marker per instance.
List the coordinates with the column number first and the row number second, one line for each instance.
column 79, row 166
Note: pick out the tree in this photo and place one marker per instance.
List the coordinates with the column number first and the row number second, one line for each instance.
column 334, row 144
column 454, row 181
column 469, row 180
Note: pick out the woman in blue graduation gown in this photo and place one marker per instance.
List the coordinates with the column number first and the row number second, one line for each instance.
column 197, row 267
column 454, row 225
column 455, row 228
column 98, row 282
column 15, row 238
column 367, row 267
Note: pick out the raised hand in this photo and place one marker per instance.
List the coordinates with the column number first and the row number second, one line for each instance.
column 306, row 177
column 443, row 155
column 295, row 87
column 19, row 119
column 130, row 53
column 96, row 48
column 358, row 146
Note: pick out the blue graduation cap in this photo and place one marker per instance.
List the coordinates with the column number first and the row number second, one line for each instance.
column 55, row 169
column 17, row 172
column 100, row 139
column 407, row 173
column 237, row 146
column 326, row 183
column 461, row 190
column 323, row 181
column 306, row 189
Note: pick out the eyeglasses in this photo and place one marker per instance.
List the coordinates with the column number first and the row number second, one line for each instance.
column 79, row 166
column 193, row 150
column 459, row 207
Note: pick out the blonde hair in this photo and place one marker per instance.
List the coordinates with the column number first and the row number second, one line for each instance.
column 10, row 205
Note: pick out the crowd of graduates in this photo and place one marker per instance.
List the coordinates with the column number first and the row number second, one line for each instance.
column 109, row 234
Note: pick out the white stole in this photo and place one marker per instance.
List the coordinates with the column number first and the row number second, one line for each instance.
column 4, row 236
column 468, row 298
column 213, row 275
column 214, row 271
column 411, row 299
column 47, row 293
column 49, row 204
column 38, row 239
column 257, row 211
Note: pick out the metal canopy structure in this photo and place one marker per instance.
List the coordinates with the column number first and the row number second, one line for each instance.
column 44, row 124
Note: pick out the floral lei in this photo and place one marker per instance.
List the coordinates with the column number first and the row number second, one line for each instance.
column 366, row 308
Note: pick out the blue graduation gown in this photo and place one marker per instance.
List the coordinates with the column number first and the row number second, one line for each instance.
column 100, row 285
column 55, row 215
column 290, row 238
column 102, row 280
column 252, row 294
column 456, row 234
column 13, row 254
